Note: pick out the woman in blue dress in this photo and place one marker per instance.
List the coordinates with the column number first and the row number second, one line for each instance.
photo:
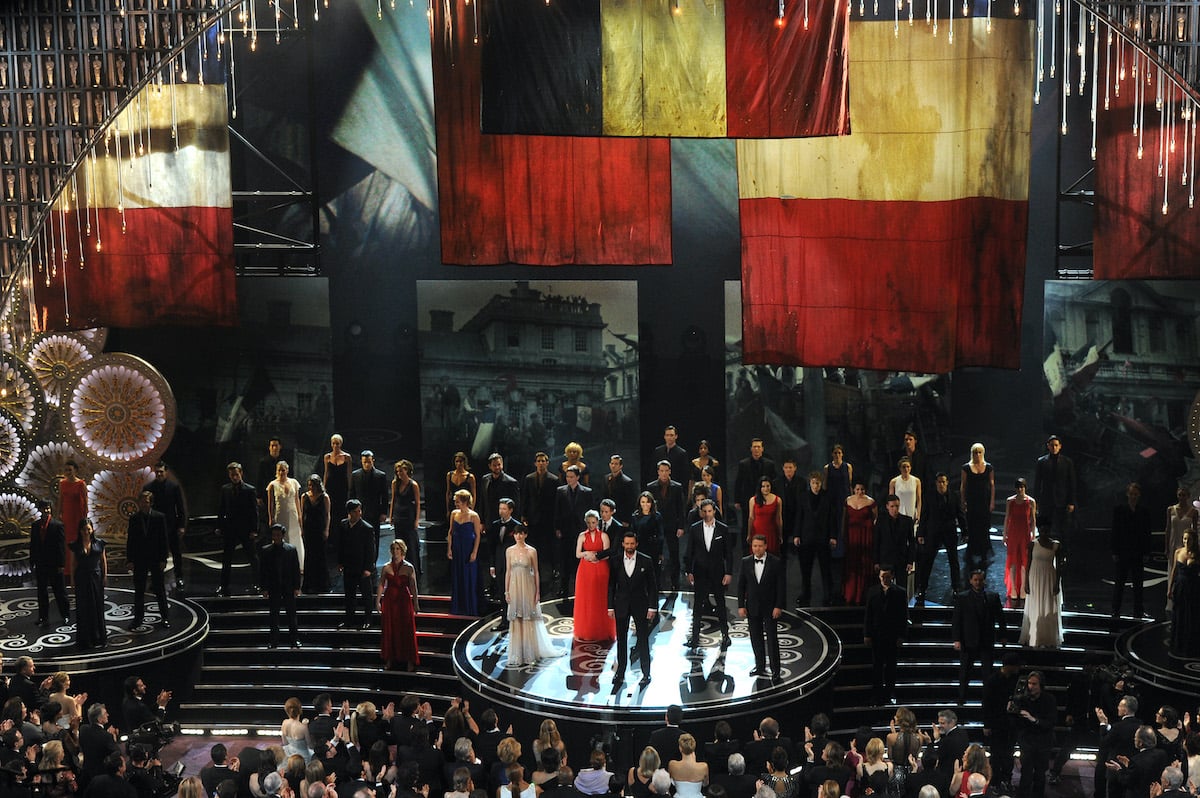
column 463, row 549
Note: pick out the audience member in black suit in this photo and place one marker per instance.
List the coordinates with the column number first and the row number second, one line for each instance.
column 136, row 710
column 766, row 739
column 672, row 506
column 146, row 548
column 942, row 516
column 321, row 728
column 571, row 502
column 814, row 537
column 237, row 522
column 538, row 492
column 489, row 738
column 1171, row 782
column 620, row 488
column 1135, row 774
column 112, row 782
column 762, row 593
column 894, row 537
column 709, row 569
column 632, row 595
column 168, row 500
column 1130, row 545
column 356, row 561
column 735, row 780
column 96, row 741
column 47, row 559
column 949, row 743
column 884, row 627
column 676, row 456
column 717, row 750
column 1117, row 741
column 978, row 622
column 750, row 472
column 666, row 739
column 279, row 573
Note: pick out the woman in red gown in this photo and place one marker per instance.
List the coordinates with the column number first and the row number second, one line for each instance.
column 858, row 522
column 72, row 508
column 591, row 584
column 1019, row 531
column 397, row 604
column 766, row 516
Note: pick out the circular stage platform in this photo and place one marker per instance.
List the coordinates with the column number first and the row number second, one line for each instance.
column 1146, row 650
column 709, row 683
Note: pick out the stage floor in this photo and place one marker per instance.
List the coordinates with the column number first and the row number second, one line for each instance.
column 577, row 685
column 1147, row 651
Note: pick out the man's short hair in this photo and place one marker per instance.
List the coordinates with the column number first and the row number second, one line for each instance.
column 315, row 790
column 609, row 503
column 234, row 466
column 929, row 791
column 674, row 714
column 95, row 711
column 1146, row 738
column 463, row 749
column 573, row 469
column 662, row 463
column 1131, row 704
column 708, row 503
column 819, row 725
column 322, row 702
column 660, row 782
column 948, row 715
column 891, row 497
column 218, row 752
column 736, row 764
column 616, row 457
column 367, row 453
column 352, row 505
column 494, row 456
column 489, row 719
column 769, row 728
column 113, row 763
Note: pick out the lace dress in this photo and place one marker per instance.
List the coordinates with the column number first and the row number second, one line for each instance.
column 287, row 514
column 528, row 640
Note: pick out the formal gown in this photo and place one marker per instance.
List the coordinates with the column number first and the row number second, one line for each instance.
column 528, row 640
column 977, row 496
column 1020, row 533
column 464, row 574
column 765, row 523
column 297, row 745
column 316, row 573
column 688, row 789
column 90, row 629
column 1185, row 614
column 1041, row 624
column 1177, row 524
column 398, row 621
column 287, row 515
column 859, row 571
column 837, row 486
column 73, row 508
column 906, row 492
column 338, row 488
column 591, row 595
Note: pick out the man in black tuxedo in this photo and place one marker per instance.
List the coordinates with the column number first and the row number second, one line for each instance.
column 538, row 493
column 762, row 595
column 610, row 526
column 672, row 505
column 356, row 561
column 1130, row 545
column 1054, row 487
column 666, row 740
column 632, row 594
column 676, row 456
column 280, row 577
column 977, row 622
column 168, row 500
column 47, row 559
column 620, row 488
column 370, row 486
column 266, row 472
column 884, row 625
column 894, row 537
column 503, row 529
column 146, row 549
column 1117, row 740
column 950, row 742
column 709, row 569
column 814, row 538
column 321, row 728
column 96, row 742
column 942, row 516
column 493, row 486
column 1171, row 781
column 750, row 472
column 237, row 522
column 571, row 502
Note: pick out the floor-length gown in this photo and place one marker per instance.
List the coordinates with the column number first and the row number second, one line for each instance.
column 1177, row 524
column 404, row 517
column 1041, row 624
column 859, row 565
column 837, row 486
column 399, row 619
column 977, row 498
column 766, row 524
column 73, row 508
column 316, row 573
column 591, row 594
column 338, row 488
column 90, row 629
column 287, row 515
column 528, row 640
column 1019, row 531
column 464, row 574
column 1185, row 614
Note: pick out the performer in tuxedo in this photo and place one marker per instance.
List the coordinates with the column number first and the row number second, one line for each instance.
column 146, row 549
column 502, row 530
column 1054, row 487
column 977, row 622
column 884, row 626
column 237, row 522
column 610, row 526
column 47, row 559
column 942, row 516
column 571, row 502
column 894, row 537
column 538, row 493
column 632, row 594
column 168, row 500
column 750, row 472
column 621, row 489
column 762, row 594
column 356, row 547
column 709, row 569
column 280, row 577
column 371, row 487
column 676, row 456
column 672, row 505
column 815, row 538
column 493, row 486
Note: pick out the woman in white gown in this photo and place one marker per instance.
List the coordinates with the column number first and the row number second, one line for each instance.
column 283, row 507
column 528, row 640
column 1041, row 623
column 689, row 776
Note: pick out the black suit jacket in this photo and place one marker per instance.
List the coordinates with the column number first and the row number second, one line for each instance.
column 168, row 500
column 356, row 547
column 941, row 517
column 146, row 538
column 50, row 551
column 622, row 490
column 681, row 463
column 568, row 514
column 978, row 619
column 814, row 518
column 1118, row 740
column 537, row 504
column 762, row 597
column 894, row 541
column 758, row 752
column 886, row 616
column 750, row 473
column 491, row 491
column 948, row 750
column 95, row 743
column 211, row 775
column 715, row 562
column 372, row 489
column 279, row 568
column 1054, row 482
column 632, row 595
column 1130, row 530
column 666, row 742
column 672, row 507
column 237, row 511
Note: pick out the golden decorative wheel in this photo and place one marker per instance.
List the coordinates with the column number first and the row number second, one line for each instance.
column 113, row 498
column 44, row 469
column 119, row 411
column 18, row 511
column 52, row 358
column 20, row 392
column 93, row 339
column 13, row 446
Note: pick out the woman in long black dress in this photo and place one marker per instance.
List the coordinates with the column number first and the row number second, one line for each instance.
column 337, row 478
column 314, row 527
column 91, row 571
column 977, row 487
column 1185, row 591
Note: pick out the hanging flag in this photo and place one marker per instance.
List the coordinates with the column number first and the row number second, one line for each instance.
column 538, row 200
column 684, row 68
column 902, row 246
column 153, row 212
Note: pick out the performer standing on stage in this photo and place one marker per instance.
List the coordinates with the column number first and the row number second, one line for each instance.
column 47, row 559
column 146, row 549
column 168, row 500
column 762, row 594
column 709, row 569
column 237, row 522
column 632, row 594
column 72, row 507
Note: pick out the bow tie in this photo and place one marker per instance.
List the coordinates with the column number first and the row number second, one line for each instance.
column 758, row 561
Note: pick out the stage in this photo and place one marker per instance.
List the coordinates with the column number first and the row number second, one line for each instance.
column 708, row 683
column 1146, row 651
